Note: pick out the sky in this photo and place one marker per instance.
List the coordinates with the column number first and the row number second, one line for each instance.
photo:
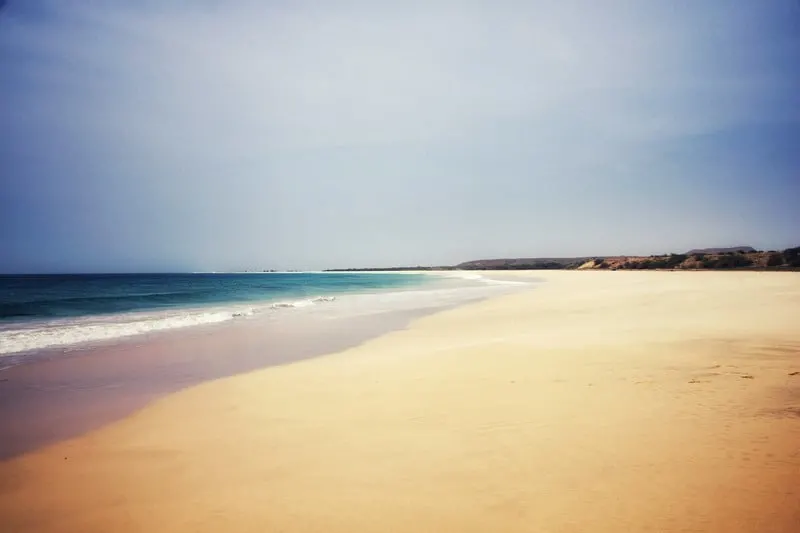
column 228, row 135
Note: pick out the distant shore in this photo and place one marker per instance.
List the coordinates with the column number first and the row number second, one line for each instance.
column 640, row 401
column 736, row 258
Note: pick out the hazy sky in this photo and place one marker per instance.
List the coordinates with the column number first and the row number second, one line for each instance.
column 186, row 135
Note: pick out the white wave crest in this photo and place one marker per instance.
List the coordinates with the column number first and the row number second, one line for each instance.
column 94, row 330
column 302, row 303
column 63, row 333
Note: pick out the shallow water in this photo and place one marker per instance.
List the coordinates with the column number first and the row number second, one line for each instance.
column 39, row 312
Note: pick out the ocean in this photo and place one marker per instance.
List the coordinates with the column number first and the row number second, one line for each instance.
column 39, row 312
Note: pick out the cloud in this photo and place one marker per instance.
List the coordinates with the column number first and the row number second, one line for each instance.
column 197, row 109
column 328, row 74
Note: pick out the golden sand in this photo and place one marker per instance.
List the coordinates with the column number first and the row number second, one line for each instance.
column 597, row 402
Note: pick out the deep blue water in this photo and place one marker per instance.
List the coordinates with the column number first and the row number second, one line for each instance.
column 38, row 297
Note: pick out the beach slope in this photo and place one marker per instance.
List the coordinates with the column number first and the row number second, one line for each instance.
column 596, row 402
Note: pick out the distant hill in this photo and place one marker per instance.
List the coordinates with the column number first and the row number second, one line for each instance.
column 736, row 257
column 732, row 249
column 531, row 263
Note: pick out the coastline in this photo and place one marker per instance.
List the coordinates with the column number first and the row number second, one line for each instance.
column 596, row 402
column 57, row 394
column 43, row 314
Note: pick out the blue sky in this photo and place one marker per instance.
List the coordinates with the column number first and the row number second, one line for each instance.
column 228, row 135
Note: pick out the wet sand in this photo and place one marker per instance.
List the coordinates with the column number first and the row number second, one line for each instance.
column 600, row 401
column 65, row 394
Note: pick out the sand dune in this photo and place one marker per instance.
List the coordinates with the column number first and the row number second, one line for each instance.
column 599, row 401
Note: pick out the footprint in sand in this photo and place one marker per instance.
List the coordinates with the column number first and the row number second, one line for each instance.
column 704, row 377
column 788, row 412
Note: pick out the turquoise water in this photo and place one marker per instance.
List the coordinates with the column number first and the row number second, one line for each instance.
column 25, row 298
column 59, row 310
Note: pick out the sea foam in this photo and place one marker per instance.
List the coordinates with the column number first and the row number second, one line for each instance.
column 15, row 339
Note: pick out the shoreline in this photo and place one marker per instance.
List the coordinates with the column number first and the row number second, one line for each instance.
column 37, row 335
column 593, row 403
column 64, row 396
column 60, row 394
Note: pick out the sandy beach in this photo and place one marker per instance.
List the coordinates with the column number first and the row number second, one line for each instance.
column 62, row 395
column 595, row 402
